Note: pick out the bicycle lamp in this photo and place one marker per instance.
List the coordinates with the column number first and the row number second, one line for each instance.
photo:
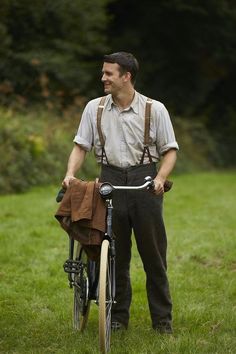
column 105, row 190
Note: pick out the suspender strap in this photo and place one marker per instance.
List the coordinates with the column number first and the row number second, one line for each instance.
column 145, row 151
column 147, row 132
column 147, row 122
column 146, row 129
column 99, row 118
column 99, row 128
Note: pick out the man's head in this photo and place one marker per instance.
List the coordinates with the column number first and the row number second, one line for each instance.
column 127, row 63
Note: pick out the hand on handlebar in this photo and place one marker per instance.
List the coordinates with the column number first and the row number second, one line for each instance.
column 158, row 186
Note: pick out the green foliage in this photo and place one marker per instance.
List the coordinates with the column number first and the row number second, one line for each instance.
column 186, row 48
column 60, row 39
column 187, row 54
column 197, row 146
column 35, row 147
column 49, row 55
column 34, row 150
column 223, row 131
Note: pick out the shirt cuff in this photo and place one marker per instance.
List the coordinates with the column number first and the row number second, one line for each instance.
column 83, row 143
column 168, row 147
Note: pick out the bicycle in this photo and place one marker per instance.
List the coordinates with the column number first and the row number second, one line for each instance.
column 96, row 280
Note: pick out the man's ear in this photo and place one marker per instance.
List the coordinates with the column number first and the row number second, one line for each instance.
column 127, row 76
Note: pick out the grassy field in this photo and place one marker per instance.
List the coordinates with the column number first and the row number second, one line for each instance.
column 36, row 302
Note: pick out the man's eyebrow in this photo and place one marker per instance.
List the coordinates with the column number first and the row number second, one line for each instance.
column 106, row 71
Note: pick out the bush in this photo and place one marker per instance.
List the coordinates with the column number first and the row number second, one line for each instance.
column 197, row 146
column 34, row 150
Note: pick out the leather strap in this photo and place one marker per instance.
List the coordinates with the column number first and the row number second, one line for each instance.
column 147, row 122
column 146, row 128
column 168, row 184
column 147, row 132
column 99, row 118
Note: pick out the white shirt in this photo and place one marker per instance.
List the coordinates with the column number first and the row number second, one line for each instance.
column 123, row 131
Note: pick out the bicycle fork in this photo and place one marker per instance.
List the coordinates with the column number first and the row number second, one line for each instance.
column 109, row 236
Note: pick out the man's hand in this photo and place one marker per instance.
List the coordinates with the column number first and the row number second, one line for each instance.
column 158, row 185
column 67, row 180
column 166, row 167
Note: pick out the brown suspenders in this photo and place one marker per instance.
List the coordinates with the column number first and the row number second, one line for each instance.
column 99, row 118
column 147, row 132
column 146, row 128
column 147, row 122
column 168, row 184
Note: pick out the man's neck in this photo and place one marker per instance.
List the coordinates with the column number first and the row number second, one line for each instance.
column 124, row 99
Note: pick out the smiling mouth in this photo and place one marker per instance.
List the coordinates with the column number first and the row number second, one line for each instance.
column 107, row 87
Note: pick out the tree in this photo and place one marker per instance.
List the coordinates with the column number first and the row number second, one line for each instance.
column 187, row 52
column 50, row 47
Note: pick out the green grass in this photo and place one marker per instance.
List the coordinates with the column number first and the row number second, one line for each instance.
column 36, row 302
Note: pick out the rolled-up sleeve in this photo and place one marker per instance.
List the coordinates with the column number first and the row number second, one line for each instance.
column 165, row 139
column 84, row 136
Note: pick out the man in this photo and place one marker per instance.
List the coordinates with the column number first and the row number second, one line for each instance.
column 125, row 160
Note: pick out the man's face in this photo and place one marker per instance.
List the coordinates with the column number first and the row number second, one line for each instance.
column 112, row 79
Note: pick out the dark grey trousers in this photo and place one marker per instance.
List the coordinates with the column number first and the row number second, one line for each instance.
column 140, row 211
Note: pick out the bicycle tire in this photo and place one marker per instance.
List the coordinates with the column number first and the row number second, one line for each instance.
column 81, row 302
column 105, row 298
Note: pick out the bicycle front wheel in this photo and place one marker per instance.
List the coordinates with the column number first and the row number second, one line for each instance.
column 81, row 291
column 105, row 298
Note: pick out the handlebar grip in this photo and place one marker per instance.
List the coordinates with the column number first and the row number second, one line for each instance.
column 167, row 185
column 60, row 195
column 152, row 186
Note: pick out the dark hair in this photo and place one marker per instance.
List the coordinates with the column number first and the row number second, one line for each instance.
column 126, row 61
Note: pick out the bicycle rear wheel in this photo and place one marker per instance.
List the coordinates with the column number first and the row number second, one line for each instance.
column 105, row 298
column 81, row 304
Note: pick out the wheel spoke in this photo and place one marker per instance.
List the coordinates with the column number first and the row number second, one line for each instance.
column 81, row 284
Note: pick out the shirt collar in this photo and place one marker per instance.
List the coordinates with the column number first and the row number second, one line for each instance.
column 133, row 105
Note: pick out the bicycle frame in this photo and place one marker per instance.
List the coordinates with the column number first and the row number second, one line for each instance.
column 106, row 191
column 101, row 287
column 109, row 236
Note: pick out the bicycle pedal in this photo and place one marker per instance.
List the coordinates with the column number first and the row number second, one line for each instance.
column 72, row 266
